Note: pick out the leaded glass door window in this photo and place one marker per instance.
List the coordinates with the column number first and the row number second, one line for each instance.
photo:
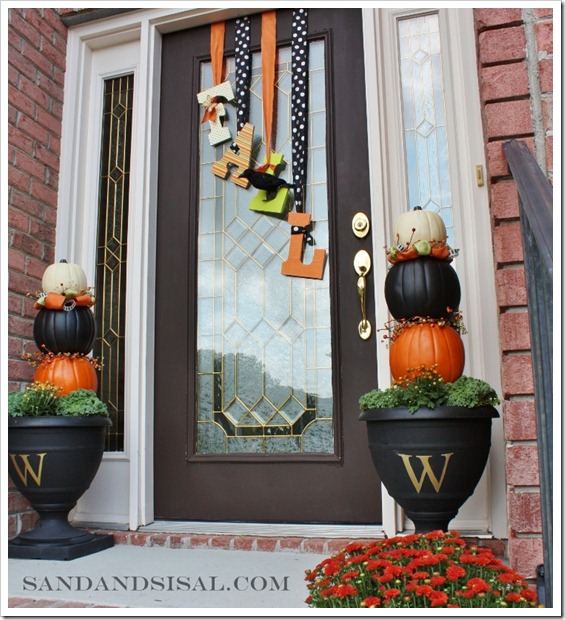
column 259, row 374
column 264, row 339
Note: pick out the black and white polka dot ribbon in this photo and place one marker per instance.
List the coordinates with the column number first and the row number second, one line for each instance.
column 299, row 104
column 301, row 230
column 242, row 72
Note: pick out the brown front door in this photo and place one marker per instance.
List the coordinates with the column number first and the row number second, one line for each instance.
column 258, row 374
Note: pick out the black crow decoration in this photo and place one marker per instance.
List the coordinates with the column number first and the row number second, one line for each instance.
column 267, row 182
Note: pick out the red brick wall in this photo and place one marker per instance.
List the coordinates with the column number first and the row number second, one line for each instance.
column 515, row 54
column 37, row 47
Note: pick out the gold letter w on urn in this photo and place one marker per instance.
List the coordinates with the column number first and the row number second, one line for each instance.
column 36, row 475
column 426, row 470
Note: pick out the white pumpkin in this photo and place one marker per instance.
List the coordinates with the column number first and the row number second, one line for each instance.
column 65, row 278
column 419, row 225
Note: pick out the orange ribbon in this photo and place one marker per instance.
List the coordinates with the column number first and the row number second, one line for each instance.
column 211, row 113
column 267, row 167
column 217, row 35
column 268, row 55
column 56, row 301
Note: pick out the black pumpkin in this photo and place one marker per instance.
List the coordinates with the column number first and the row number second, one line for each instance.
column 424, row 286
column 61, row 331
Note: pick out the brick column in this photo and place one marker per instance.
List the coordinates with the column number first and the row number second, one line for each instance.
column 515, row 58
column 37, row 47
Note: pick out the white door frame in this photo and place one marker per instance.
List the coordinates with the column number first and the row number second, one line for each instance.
column 122, row 492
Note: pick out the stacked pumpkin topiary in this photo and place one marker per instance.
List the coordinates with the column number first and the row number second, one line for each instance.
column 64, row 329
column 422, row 293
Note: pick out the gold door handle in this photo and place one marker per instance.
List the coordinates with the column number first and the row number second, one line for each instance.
column 362, row 266
column 364, row 325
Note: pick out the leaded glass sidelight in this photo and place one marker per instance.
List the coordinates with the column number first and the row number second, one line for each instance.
column 424, row 116
column 111, row 253
column 264, row 340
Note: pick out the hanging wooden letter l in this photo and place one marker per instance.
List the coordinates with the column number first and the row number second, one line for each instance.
column 293, row 265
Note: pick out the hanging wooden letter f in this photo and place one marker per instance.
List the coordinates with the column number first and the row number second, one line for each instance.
column 293, row 265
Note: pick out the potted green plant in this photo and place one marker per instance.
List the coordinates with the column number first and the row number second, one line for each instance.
column 426, row 388
column 437, row 569
column 429, row 440
column 55, row 446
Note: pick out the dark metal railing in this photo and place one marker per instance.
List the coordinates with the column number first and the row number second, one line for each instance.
column 536, row 217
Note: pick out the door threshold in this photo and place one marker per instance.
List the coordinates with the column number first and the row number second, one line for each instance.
column 299, row 530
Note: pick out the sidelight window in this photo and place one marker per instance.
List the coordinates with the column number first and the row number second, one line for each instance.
column 424, row 117
column 111, row 252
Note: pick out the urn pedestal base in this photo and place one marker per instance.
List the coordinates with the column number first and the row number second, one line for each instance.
column 85, row 544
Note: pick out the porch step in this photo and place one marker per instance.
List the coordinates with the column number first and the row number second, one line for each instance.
column 295, row 538
column 319, row 539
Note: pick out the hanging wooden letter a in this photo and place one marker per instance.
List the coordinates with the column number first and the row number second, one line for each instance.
column 293, row 265
column 239, row 161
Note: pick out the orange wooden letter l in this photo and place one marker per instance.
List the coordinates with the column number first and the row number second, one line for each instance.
column 293, row 265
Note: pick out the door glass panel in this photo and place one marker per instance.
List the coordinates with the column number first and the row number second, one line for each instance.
column 423, row 108
column 264, row 364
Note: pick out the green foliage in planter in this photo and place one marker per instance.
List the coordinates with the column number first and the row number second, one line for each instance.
column 15, row 404
column 470, row 392
column 42, row 399
column 423, row 387
column 81, row 403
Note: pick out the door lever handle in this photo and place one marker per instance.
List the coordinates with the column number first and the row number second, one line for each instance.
column 362, row 266
column 364, row 325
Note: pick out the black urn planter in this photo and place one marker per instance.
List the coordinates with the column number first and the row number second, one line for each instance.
column 52, row 461
column 430, row 461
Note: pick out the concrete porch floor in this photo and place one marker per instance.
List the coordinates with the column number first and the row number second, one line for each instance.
column 159, row 577
column 174, row 566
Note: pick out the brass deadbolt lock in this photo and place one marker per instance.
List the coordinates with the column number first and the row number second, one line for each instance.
column 360, row 225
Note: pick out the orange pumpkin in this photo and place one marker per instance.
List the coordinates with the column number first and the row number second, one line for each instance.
column 68, row 372
column 428, row 344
